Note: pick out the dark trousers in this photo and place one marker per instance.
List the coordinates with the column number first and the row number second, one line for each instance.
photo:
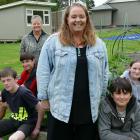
column 58, row 130
column 8, row 126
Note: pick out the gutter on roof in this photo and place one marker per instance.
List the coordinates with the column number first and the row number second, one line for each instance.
column 27, row 3
column 114, row 9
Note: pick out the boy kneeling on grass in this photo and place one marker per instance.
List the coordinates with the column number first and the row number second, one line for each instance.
column 24, row 119
column 28, row 76
column 119, row 116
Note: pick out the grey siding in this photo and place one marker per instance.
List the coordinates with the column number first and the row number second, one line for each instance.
column 12, row 23
column 127, row 13
column 101, row 18
column 57, row 20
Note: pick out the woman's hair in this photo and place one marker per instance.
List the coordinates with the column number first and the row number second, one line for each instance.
column 26, row 56
column 8, row 71
column 120, row 84
column 66, row 37
column 133, row 62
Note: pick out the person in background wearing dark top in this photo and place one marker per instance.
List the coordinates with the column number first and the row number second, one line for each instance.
column 119, row 115
column 72, row 75
column 24, row 119
column 34, row 41
column 28, row 76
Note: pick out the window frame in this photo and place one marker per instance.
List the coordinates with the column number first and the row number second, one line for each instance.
column 44, row 15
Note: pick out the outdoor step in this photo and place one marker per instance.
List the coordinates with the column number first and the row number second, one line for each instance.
column 42, row 136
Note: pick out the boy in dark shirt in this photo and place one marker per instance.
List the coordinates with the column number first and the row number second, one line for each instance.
column 24, row 106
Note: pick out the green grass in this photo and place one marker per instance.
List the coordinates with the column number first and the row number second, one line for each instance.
column 9, row 57
column 119, row 60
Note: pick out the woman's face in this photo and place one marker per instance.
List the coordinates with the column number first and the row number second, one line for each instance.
column 135, row 71
column 36, row 25
column 77, row 19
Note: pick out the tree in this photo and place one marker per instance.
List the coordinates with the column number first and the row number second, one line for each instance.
column 61, row 4
column 56, row 8
column 90, row 4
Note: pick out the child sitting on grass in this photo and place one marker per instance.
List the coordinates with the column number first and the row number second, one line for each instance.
column 28, row 76
column 119, row 115
column 24, row 118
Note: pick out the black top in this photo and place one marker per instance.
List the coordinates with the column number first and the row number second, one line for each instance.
column 81, row 111
column 42, row 33
column 22, row 104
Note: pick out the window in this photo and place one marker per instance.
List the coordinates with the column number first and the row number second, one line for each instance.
column 45, row 15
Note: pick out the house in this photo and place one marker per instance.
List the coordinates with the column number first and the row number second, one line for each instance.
column 117, row 12
column 15, row 18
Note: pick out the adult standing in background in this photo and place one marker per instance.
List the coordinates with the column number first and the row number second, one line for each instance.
column 72, row 74
column 34, row 41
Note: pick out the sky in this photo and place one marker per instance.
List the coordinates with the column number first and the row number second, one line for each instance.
column 99, row 2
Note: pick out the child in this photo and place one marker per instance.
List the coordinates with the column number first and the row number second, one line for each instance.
column 28, row 76
column 133, row 74
column 23, row 105
column 119, row 116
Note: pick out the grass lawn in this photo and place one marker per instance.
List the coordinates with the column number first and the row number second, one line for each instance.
column 119, row 60
column 9, row 57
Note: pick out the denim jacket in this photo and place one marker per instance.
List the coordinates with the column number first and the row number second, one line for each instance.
column 56, row 75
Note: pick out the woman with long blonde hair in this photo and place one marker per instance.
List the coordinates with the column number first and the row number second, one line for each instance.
column 72, row 74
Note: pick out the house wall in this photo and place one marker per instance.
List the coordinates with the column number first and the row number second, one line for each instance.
column 11, row 23
column 101, row 18
column 127, row 13
column 57, row 18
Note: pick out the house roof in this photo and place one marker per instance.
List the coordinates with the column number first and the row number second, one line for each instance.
column 25, row 2
column 103, row 7
column 116, row 1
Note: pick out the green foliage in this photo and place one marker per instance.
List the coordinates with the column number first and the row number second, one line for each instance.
column 7, row 1
column 90, row 4
column 56, row 8
column 119, row 50
column 61, row 4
